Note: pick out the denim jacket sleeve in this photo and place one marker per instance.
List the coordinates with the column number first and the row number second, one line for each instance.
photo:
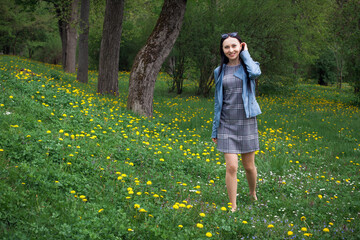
column 216, row 105
column 251, row 106
column 252, row 67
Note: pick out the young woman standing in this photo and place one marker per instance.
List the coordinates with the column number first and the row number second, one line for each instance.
column 235, row 126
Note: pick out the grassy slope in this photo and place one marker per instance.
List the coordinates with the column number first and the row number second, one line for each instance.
column 59, row 136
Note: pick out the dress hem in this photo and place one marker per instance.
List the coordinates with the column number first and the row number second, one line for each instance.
column 237, row 152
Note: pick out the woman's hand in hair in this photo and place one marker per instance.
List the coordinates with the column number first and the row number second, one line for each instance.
column 244, row 46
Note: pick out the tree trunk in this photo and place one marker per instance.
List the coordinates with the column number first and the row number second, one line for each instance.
column 110, row 48
column 71, row 38
column 83, row 60
column 62, row 32
column 65, row 11
column 150, row 58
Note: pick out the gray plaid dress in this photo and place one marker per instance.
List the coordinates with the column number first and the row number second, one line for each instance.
column 236, row 133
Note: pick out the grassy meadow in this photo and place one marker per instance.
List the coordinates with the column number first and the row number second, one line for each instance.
column 78, row 165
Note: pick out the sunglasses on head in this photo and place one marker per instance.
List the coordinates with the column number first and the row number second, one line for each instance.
column 226, row 35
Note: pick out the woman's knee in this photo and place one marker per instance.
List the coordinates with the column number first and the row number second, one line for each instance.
column 232, row 169
column 250, row 168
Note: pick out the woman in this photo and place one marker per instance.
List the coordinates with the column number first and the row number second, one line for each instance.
column 235, row 127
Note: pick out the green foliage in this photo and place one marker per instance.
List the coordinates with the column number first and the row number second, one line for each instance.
column 75, row 164
column 26, row 31
column 284, row 37
column 287, row 37
column 325, row 70
column 344, row 22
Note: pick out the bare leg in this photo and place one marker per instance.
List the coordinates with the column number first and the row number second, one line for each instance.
column 231, row 177
column 248, row 161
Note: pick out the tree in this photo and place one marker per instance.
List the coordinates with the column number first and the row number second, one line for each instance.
column 67, row 14
column 83, row 60
column 349, row 31
column 175, row 67
column 110, row 47
column 206, row 58
column 150, row 58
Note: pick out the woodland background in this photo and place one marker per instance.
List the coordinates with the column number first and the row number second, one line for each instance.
column 295, row 41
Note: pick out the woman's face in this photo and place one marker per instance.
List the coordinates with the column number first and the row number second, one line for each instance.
column 232, row 48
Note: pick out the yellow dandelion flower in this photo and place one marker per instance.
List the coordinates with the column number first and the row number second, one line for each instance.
column 244, row 222
column 101, row 210
column 208, row 234
column 303, row 218
column 180, row 226
column 308, row 234
column 270, row 226
column 320, row 196
column 223, row 209
column 199, row 225
column 202, row 214
column 148, row 183
column 326, row 230
column 304, row 229
column 290, row 233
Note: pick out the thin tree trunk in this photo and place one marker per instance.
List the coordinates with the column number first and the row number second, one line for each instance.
column 150, row 58
column 71, row 38
column 83, row 60
column 62, row 31
column 110, row 48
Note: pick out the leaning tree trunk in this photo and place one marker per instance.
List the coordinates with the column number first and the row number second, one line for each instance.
column 83, row 60
column 71, row 38
column 110, row 48
column 148, row 61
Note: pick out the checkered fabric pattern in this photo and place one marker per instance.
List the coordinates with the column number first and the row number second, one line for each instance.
column 236, row 133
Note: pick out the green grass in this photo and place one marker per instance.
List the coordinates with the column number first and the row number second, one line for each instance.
column 77, row 165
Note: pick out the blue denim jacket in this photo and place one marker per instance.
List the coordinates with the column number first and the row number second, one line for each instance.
column 251, row 106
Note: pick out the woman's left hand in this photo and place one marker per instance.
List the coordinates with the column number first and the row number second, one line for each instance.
column 244, row 46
